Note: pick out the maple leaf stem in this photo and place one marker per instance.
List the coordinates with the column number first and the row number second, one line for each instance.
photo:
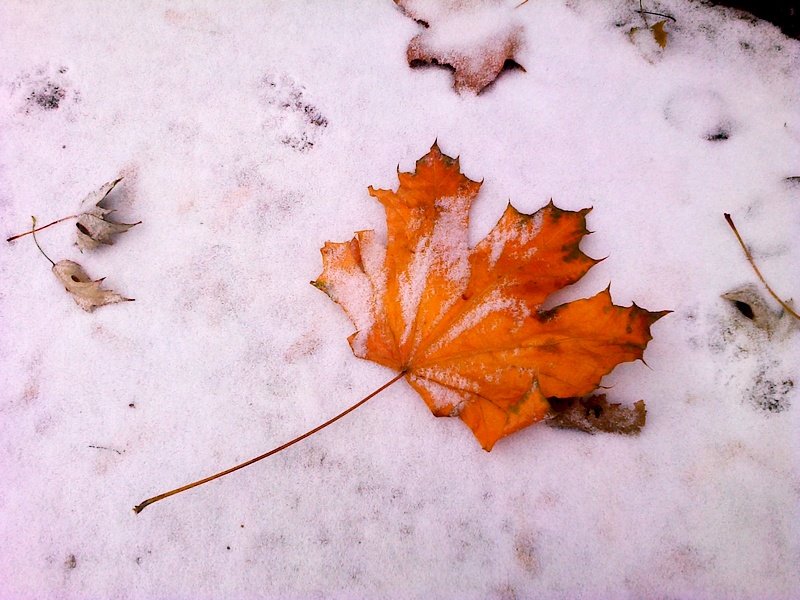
column 749, row 256
column 24, row 233
column 140, row 507
column 35, row 241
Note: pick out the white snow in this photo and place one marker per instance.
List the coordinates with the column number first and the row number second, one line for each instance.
column 457, row 27
column 247, row 134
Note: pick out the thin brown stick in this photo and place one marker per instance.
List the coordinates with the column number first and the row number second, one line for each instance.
column 35, row 241
column 657, row 14
column 23, row 234
column 642, row 12
column 749, row 256
column 140, row 507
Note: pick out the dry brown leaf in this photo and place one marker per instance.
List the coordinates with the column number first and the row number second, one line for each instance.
column 473, row 37
column 94, row 228
column 594, row 413
column 87, row 293
column 659, row 34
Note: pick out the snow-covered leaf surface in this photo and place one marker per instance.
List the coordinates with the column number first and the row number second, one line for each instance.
column 247, row 135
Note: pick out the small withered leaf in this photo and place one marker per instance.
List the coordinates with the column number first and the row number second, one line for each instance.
column 594, row 413
column 87, row 293
column 94, row 227
column 659, row 33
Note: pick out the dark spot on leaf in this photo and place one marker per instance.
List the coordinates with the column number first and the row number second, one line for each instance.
column 745, row 309
column 571, row 252
column 511, row 65
column 74, row 278
column 82, row 229
column 550, row 345
column 547, row 315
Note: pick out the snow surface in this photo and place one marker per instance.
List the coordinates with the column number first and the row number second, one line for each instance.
column 247, row 134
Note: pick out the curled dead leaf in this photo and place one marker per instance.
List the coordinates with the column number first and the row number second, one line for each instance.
column 94, row 228
column 87, row 293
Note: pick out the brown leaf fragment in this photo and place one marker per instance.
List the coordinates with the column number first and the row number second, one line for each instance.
column 594, row 413
column 87, row 293
column 94, row 228
column 659, row 34
column 474, row 38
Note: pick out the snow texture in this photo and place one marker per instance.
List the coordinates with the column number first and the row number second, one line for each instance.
column 247, row 134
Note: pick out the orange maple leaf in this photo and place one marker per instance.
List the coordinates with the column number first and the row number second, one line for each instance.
column 466, row 326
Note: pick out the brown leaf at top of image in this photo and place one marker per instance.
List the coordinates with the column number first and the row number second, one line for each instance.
column 474, row 38
column 87, row 293
column 93, row 225
column 466, row 326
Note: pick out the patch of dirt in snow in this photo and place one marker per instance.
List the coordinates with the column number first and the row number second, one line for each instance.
column 293, row 119
column 733, row 339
